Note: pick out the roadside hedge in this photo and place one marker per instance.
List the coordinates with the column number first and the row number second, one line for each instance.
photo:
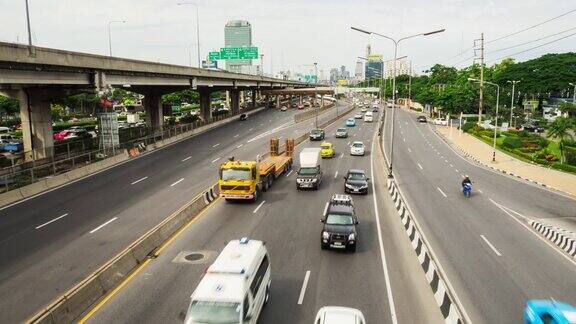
column 564, row 167
column 512, row 142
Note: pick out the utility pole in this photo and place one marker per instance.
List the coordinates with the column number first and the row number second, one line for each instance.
column 31, row 49
column 410, row 86
column 573, row 93
column 481, row 50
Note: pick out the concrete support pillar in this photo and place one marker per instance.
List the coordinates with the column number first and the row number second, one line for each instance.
column 36, row 120
column 278, row 101
column 205, row 110
column 253, row 94
column 242, row 99
column 300, row 100
column 228, row 100
column 322, row 101
column 153, row 108
column 234, row 101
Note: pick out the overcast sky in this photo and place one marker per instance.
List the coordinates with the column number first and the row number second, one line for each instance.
column 292, row 33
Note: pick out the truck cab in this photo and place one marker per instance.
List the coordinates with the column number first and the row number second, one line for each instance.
column 309, row 175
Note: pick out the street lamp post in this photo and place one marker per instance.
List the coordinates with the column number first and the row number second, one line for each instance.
column 496, row 117
column 197, row 27
column 110, row 34
column 512, row 100
column 396, row 42
column 574, row 92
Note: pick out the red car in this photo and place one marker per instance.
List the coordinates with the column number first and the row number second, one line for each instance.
column 62, row 135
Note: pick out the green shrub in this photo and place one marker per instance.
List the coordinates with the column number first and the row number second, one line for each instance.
column 564, row 167
column 523, row 134
column 512, row 143
column 542, row 161
column 524, row 155
column 542, row 142
column 467, row 127
column 569, row 142
column 570, row 155
column 527, row 149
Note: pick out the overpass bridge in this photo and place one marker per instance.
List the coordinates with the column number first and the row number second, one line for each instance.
column 35, row 76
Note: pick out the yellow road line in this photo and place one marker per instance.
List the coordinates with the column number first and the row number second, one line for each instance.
column 144, row 264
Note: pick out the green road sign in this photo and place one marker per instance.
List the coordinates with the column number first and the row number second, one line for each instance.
column 213, row 56
column 238, row 53
column 310, row 78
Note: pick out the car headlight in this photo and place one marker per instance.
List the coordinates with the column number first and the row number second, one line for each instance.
column 314, row 180
column 351, row 237
column 325, row 235
column 349, row 186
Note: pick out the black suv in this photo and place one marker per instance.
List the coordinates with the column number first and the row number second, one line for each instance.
column 355, row 181
column 339, row 230
column 317, row 134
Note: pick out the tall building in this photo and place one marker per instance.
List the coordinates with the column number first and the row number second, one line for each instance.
column 334, row 75
column 403, row 66
column 238, row 33
column 374, row 67
column 359, row 71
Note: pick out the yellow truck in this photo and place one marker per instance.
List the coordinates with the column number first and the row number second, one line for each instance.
column 245, row 180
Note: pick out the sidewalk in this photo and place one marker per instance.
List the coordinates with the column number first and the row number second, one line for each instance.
column 482, row 153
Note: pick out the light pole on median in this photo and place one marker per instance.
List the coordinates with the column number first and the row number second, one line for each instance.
column 110, row 34
column 512, row 101
column 197, row 27
column 495, row 118
column 396, row 42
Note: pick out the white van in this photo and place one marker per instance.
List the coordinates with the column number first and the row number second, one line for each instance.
column 368, row 116
column 235, row 287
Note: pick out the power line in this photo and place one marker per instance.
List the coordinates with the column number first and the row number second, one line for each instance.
column 532, row 41
column 535, row 47
column 531, row 27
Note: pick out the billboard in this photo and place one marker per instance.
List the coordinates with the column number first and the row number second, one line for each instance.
column 210, row 64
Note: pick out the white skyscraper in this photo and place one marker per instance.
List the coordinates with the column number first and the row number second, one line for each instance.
column 403, row 66
column 359, row 71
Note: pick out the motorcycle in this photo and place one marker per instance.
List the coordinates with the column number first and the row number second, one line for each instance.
column 467, row 189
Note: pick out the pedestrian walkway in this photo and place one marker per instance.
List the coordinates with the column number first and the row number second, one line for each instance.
column 482, row 152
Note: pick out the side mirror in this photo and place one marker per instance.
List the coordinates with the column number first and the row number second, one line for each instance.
column 322, row 221
column 367, row 179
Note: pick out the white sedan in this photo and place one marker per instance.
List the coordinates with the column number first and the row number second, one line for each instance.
column 357, row 148
column 440, row 121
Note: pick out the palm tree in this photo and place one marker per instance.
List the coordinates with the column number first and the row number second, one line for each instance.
column 560, row 129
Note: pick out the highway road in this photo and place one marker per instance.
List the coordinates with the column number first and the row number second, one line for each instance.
column 288, row 221
column 494, row 262
column 50, row 242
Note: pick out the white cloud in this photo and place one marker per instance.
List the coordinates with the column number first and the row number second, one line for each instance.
column 289, row 32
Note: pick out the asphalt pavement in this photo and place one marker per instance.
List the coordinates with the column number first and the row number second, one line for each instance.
column 288, row 220
column 54, row 240
column 493, row 260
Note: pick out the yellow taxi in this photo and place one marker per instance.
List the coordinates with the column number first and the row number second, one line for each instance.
column 327, row 150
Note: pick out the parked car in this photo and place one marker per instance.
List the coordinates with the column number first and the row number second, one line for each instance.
column 284, row 108
column 341, row 133
column 339, row 315
column 317, row 134
column 13, row 146
column 421, row 119
column 533, row 128
column 440, row 121
column 60, row 136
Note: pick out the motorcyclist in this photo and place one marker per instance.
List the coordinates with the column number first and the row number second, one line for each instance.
column 466, row 180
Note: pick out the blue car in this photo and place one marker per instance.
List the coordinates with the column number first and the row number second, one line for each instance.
column 541, row 311
column 350, row 122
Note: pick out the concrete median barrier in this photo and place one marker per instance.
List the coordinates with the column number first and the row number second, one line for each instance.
column 300, row 117
column 69, row 307
column 10, row 197
column 56, row 181
column 34, row 188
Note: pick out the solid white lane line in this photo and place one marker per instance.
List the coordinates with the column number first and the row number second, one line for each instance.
column 106, row 223
column 256, row 210
column 380, row 242
column 187, row 158
column 336, row 174
column 507, row 211
column 289, row 173
column 303, row 289
column 216, row 159
column 141, row 179
column 239, row 146
column 215, row 145
column 325, row 209
column 442, row 192
column 52, row 221
column 236, row 135
column 421, row 168
column 177, row 182
column 490, row 245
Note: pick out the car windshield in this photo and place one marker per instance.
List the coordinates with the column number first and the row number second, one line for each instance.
column 339, row 219
column 315, row 131
column 341, row 130
column 356, row 176
column 236, row 174
column 326, row 146
column 308, row 171
column 350, row 120
column 358, row 145
column 213, row 313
